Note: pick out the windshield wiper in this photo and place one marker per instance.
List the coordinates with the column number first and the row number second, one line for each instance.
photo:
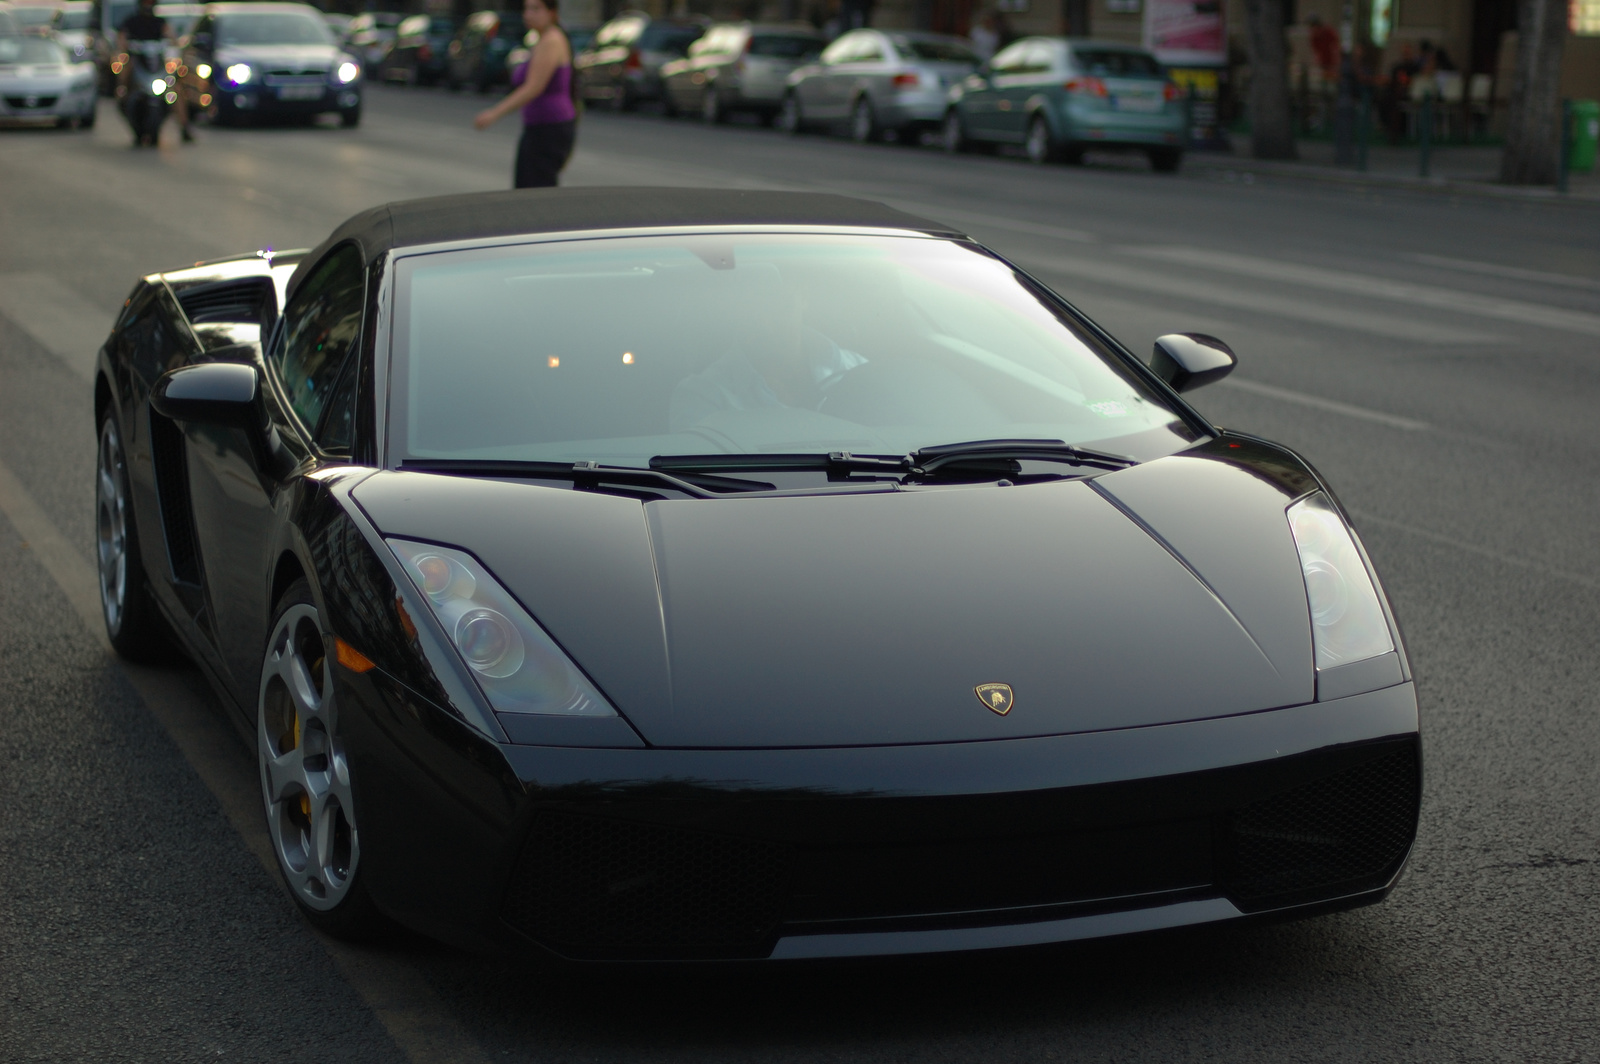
column 839, row 462
column 695, row 485
column 929, row 460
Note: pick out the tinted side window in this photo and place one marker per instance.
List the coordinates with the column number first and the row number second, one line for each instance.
column 320, row 328
column 785, row 47
column 338, row 428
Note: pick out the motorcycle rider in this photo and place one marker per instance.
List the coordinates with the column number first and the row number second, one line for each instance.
column 145, row 25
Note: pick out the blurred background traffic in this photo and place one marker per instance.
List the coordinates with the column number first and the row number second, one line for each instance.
column 1414, row 86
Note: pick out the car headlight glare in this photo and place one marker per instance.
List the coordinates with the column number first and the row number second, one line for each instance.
column 204, row 70
column 158, row 87
column 519, row 668
column 348, row 73
column 1347, row 620
column 239, row 73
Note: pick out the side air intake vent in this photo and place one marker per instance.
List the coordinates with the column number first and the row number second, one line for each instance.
column 1339, row 835
column 172, row 490
column 249, row 300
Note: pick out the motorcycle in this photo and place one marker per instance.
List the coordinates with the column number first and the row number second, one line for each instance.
column 150, row 90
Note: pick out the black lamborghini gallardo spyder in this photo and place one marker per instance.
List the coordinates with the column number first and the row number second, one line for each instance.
column 669, row 574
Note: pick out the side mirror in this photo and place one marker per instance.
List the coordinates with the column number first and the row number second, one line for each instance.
column 1188, row 361
column 213, row 393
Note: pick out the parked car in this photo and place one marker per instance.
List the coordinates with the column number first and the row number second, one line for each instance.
column 1059, row 97
column 738, row 66
column 370, row 34
column 421, row 46
column 477, row 55
column 339, row 23
column 622, row 65
column 873, row 82
column 41, row 84
column 33, row 17
column 8, row 25
column 263, row 59
column 70, row 28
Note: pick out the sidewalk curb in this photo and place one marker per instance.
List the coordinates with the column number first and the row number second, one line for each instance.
column 1398, row 182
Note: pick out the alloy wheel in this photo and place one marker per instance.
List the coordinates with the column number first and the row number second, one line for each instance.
column 305, row 778
column 863, row 126
column 111, row 527
column 710, row 108
column 789, row 119
column 952, row 137
column 1038, row 146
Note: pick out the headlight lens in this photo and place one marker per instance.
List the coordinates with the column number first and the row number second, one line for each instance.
column 158, row 87
column 203, row 70
column 518, row 666
column 348, row 72
column 239, row 73
column 1347, row 621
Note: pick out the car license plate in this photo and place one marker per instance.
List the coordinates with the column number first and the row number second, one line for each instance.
column 300, row 92
column 1141, row 104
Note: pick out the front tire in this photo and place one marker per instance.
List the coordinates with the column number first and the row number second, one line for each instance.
column 134, row 624
column 953, row 134
column 1041, row 144
column 711, row 110
column 863, row 123
column 305, row 776
column 1166, row 160
column 790, row 118
column 351, row 118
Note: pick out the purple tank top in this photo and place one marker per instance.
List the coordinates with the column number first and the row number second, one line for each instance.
column 554, row 104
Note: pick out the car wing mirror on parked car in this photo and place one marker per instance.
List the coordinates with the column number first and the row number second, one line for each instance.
column 226, row 394
column 1188, row 361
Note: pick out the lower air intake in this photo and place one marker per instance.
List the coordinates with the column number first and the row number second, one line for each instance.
column 1339, row 835
column 597, row 888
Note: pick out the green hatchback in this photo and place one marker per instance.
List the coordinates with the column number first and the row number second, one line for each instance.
column 1058, row 97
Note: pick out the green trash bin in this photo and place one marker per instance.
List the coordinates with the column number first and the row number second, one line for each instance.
column 1585, row 134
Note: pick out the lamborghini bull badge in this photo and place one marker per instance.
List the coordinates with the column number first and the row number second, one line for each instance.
column 996, row 697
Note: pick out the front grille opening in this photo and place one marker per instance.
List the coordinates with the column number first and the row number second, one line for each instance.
column 1335, row 836
column 596, row 888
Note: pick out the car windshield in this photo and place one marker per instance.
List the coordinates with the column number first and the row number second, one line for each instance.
column 1118, row 64
column 32, row 51
column 618, row 350
column 274, row 27
column 72, row 20
column 666, row 37
column 934, row 51
column 785, row 46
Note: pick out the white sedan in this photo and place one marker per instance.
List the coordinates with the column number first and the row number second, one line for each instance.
column 41, row 85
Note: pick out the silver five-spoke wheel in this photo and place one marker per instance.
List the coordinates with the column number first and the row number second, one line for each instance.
column 111, row 527
column 305, row 778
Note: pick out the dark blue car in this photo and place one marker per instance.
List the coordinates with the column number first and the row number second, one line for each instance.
column 253, row 60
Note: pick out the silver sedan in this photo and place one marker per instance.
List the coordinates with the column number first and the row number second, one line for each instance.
column 873, row 82
column 40, row 84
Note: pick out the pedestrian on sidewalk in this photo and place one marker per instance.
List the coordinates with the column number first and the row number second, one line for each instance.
column 542, row 89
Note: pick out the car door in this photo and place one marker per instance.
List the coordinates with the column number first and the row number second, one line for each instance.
column 1013, row 87
column 820, row 93
column 867, row 73
column 234, row 498
column 981, row 91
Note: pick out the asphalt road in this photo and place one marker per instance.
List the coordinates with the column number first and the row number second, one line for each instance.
column 1438, row 358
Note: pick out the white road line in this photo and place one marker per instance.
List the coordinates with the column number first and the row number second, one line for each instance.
column 1373, row 287
column 65, row 324
column 1516, row 273
column 1158, row 285
column 1331, row 405
column 1482, row 552
column 396, row 992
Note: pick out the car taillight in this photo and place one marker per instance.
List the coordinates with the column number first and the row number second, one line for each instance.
column 1169, row 91
column 634, row 62
column 905, row 81
column 1087, row 86
column 425, row 53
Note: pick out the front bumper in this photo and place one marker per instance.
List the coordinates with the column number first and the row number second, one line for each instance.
column 251, row 99
column 655, row 854
column 39, row 102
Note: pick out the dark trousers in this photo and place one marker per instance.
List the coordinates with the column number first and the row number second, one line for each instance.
column 541, row 153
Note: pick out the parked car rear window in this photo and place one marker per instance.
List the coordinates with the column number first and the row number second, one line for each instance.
column 934, row 51
column 1118, row 64
column 785, row 46
column 665, row 37
column 276, row 27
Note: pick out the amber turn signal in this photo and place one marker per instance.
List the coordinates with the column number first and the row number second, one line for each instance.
column 351, row 658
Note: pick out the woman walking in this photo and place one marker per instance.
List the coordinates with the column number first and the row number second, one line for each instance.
column 542, row 88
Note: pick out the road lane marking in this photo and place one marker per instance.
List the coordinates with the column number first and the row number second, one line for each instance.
column 1331, row 405
column 65, row 324
column 1159, row 285
column 1482, row 552
column 1516, row 273
column 1372, row 287
column 395, row 991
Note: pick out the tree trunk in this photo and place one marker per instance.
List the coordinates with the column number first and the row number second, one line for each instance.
column 1271, row 122
column 1533, row 119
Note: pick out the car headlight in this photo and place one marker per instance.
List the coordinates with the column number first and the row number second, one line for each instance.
column 515, row 662
column 203, row 70
column 348, row 72
column 158, row 87
column 1347, row 620
column 239, row 73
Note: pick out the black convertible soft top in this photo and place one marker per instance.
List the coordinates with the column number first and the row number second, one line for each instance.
column 486, row 215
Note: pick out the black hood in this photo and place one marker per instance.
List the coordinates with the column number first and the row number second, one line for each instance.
column 1166, row 592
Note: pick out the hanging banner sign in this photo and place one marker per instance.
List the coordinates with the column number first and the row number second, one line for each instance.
column 1186, row 31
